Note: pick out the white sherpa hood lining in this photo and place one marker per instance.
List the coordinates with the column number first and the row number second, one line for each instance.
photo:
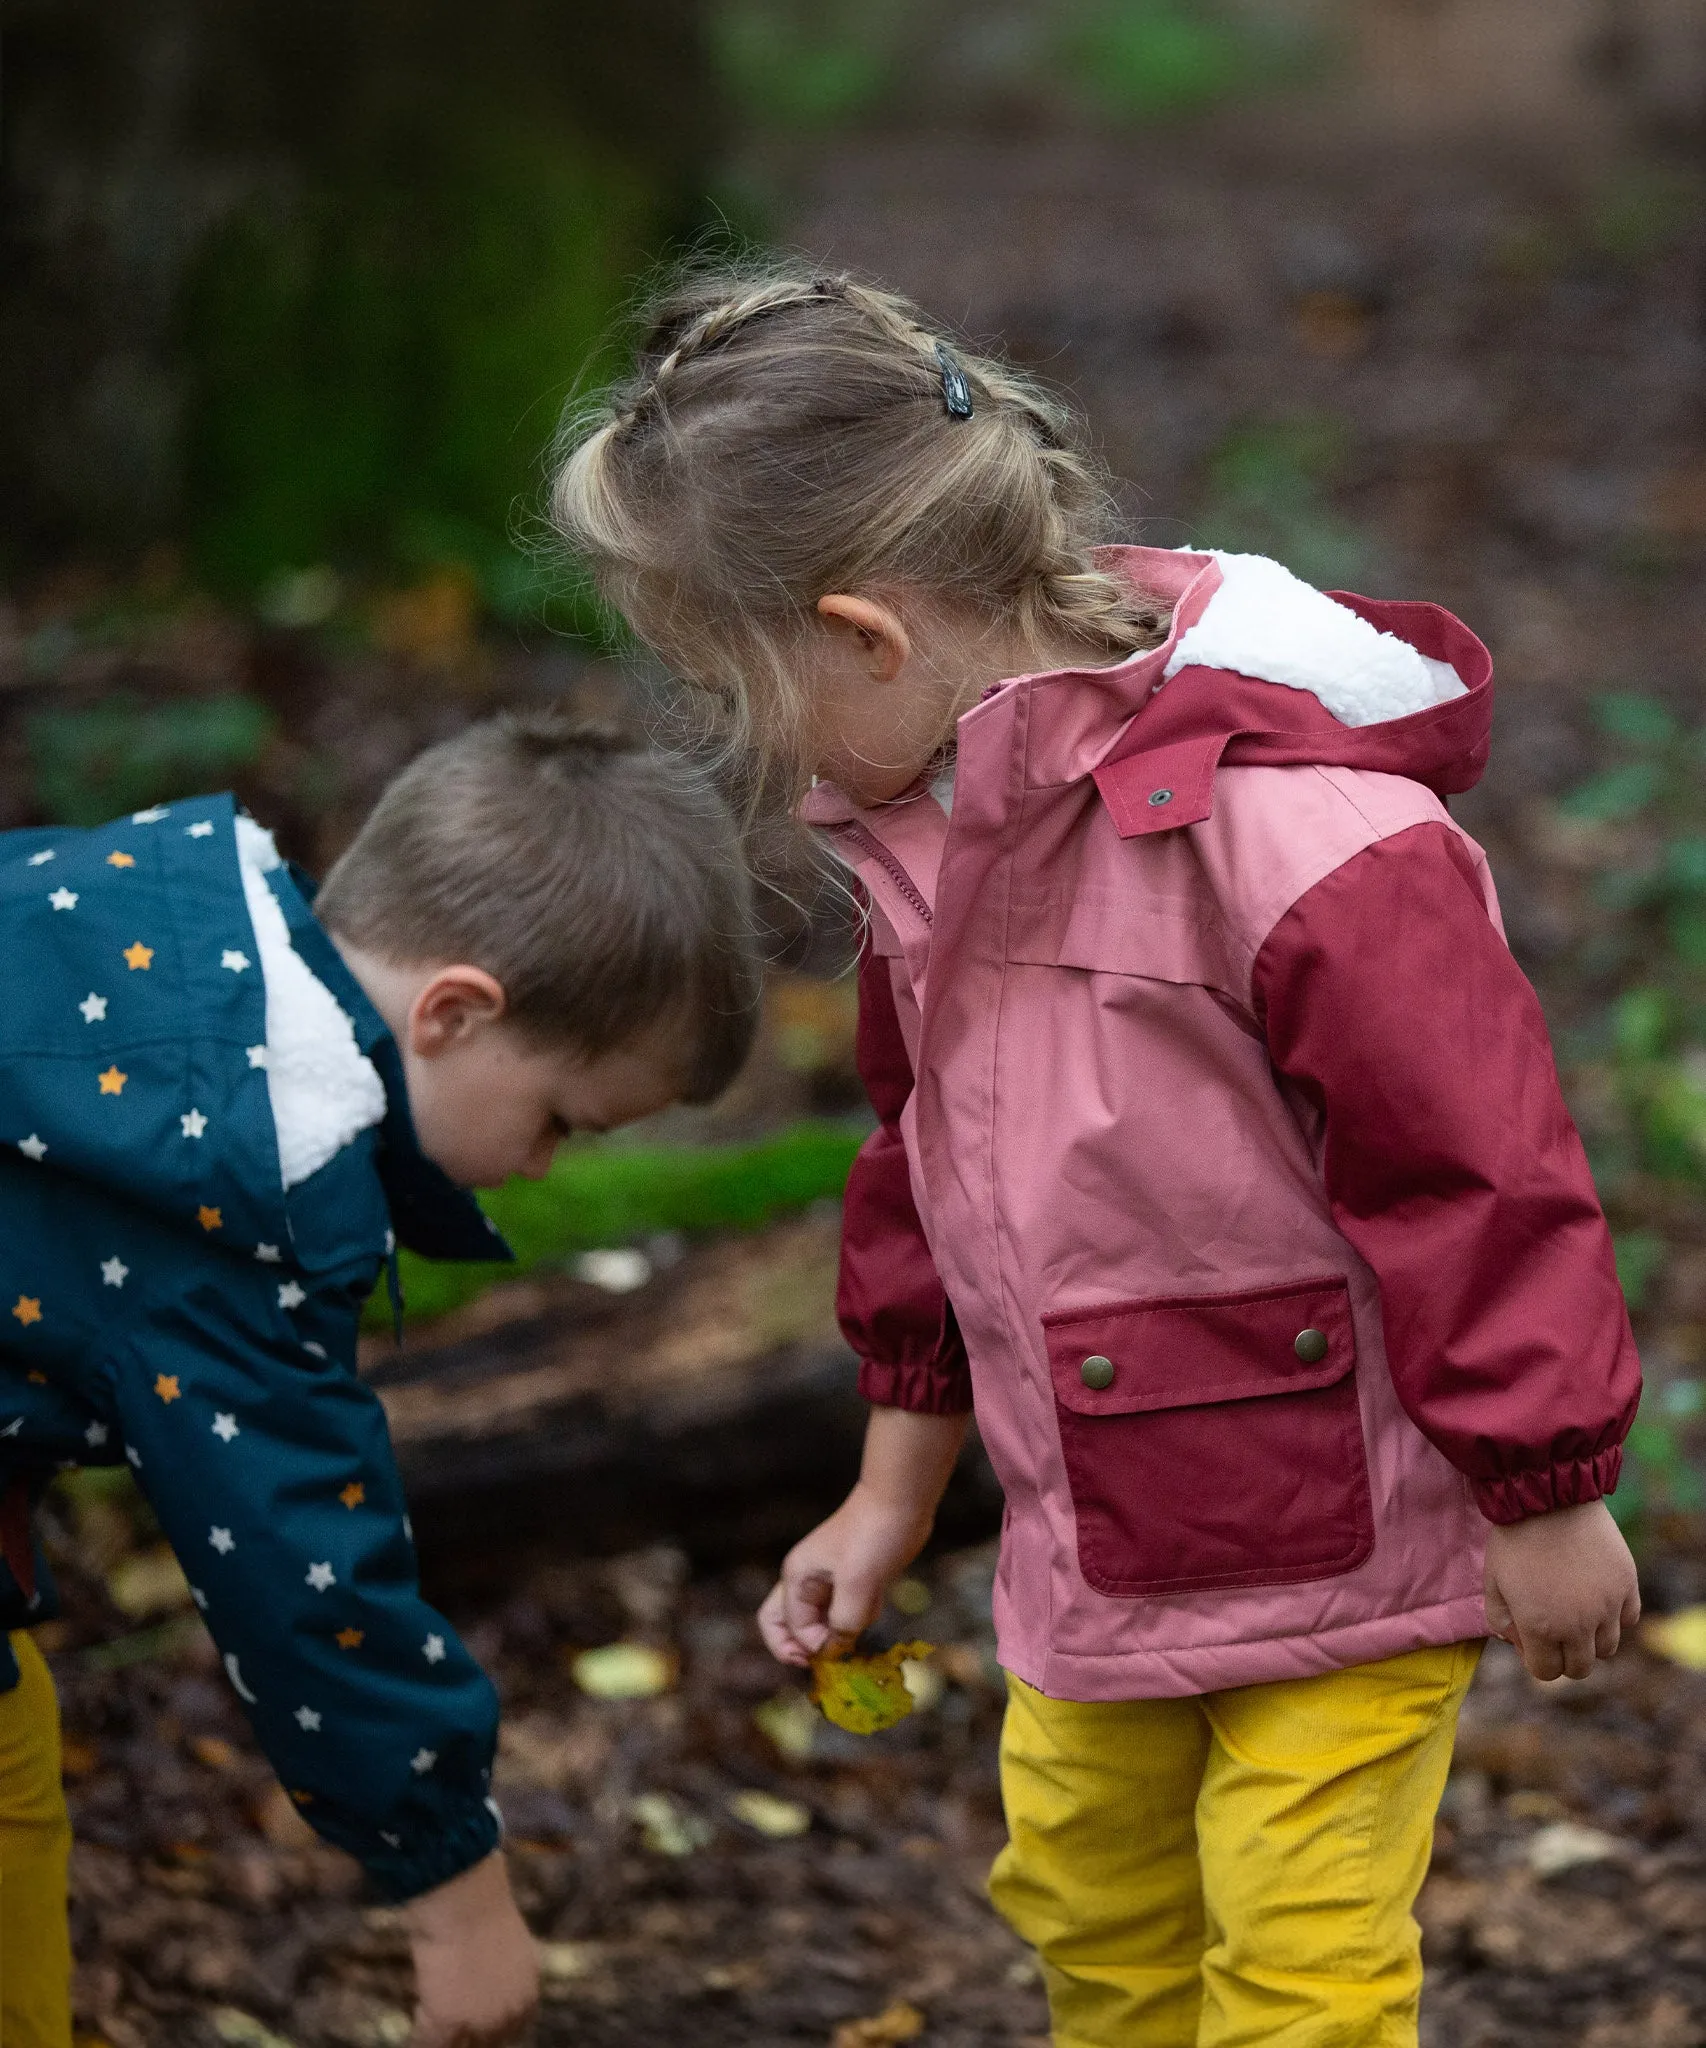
column 324, row 1090
column 1267, row 623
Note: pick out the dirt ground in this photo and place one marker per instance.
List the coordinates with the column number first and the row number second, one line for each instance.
column 844, row 1903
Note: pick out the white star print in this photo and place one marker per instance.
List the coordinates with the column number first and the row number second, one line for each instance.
column 32, row 1147
column 222, row 1540
column 422, row 1761
column 320, row 1576
column 40, row 860
column 134, row 1455
column 408, row 1529
column 390, row 1242
column 268, row 1254
column 199, row 1597
column 318, row 1350
column 64, row 899
column 225, row 1427
column 95, row 1435
column 234, row 960
column 433, row 1649
column 114, row 1272
column 290, row 1295
column 94, row 1008
column 395, row 1841
column 257, row 1055
column 194, row 1123
column 151, row 816
column 307, row 1720
column 12, row 1428
column 236, row 1678
column 204, row 830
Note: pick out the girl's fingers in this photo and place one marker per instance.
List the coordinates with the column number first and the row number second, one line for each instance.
column 853, row 1606
column 1606, row 1639
column 773, row 1627
column 805, row 1608
column 1578, row 1656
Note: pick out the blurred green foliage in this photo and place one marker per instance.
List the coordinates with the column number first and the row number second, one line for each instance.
column 1640, row 1060
column 375, row 367
column 600, row 1195
column 94, row 763
column 1268, row 494
column 1147, row 59
column 794, row 66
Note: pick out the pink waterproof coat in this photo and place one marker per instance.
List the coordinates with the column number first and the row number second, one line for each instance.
column 1222, row 1163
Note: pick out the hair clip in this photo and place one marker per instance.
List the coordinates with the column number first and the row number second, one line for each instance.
column 956, row 392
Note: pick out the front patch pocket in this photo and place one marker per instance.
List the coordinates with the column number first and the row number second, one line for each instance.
column 1213, row 1441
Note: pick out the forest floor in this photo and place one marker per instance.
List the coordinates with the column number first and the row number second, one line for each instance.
column 1468, row 380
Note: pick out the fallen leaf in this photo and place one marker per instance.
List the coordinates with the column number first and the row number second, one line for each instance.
column 667, row 1826
column 243, row 2030
column 1680, row 1636
column 865, row 1694
column 790, row 1723
column 1567, row 1846
column 152, row 1582
column 624, row 1671
column 899, row 2022
column 780, row 1819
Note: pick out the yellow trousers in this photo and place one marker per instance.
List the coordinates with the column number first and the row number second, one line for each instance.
column 35, row 1847
column 1237, row 1868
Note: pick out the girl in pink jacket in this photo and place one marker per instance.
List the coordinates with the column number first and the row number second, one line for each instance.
column 1221, row 1166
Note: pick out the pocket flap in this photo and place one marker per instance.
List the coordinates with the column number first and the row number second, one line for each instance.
column 1184, row 1351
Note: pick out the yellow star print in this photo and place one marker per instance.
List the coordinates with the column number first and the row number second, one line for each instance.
column 37, row 1379
column 354, row 1494
column 112, row 1082
column 166, row 1386
column 28, row 1309
column 121, row 860
column 209, row 1219
column 138, row 956
column 303, row 1798
column 349, row 1638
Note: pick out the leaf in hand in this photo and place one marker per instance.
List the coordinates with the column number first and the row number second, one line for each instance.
column 865, row 1694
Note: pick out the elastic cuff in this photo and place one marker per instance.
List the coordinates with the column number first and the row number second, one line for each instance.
column 1571, row 1483
column 924, row 1389
column 406, row 1872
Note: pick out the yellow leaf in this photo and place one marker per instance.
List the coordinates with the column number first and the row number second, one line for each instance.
column 780, row 1819
column 788, row 1720
column 1680, row 1636
column 151, row 1582
column 865, row 1694
column 624, row 1671
column 900, row 2022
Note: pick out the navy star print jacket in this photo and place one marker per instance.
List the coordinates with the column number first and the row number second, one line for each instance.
column 166, row 1301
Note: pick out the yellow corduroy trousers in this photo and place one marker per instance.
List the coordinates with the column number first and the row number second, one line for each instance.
column 1234, row 1868
column 35, row 1847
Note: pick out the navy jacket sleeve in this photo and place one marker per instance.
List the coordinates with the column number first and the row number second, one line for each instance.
column 272, row 1474
column 1452, row 1166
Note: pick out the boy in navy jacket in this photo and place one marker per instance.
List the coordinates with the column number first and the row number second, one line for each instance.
column 223, row 1104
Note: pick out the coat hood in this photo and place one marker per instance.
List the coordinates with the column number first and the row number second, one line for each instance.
column 1260, row 669
column 1257, row 668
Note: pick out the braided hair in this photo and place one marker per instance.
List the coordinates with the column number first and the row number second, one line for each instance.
column 783, row 434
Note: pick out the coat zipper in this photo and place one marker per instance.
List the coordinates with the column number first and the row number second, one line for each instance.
column 891, row 867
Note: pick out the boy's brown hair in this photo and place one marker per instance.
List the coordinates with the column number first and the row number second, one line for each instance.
column 598, row 879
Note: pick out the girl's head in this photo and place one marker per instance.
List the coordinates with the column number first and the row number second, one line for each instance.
column 789, row 501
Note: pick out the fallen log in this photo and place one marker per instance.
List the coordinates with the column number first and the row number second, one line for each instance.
column 715, row 1406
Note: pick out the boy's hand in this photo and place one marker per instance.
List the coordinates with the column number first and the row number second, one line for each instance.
column 476, row 1968
column 833, row 1580
column 1562, row 1588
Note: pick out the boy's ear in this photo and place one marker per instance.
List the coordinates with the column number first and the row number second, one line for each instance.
column 454, row 1004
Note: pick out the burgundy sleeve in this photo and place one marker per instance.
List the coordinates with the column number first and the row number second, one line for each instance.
column 890, row 1301
column 1452, row 1166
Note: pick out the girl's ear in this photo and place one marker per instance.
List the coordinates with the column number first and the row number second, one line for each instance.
column 883, row 642
column 451, row 1007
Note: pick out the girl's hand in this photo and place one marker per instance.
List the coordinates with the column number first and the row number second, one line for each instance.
column 476, row 1968
column 833, row 1582
column 1562, row 1589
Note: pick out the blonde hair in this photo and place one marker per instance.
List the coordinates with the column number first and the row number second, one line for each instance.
column 786, row 433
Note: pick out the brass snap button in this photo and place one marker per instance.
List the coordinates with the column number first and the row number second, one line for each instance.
column 1310, row 1346
column 1160, row 796
column 1097, row 1372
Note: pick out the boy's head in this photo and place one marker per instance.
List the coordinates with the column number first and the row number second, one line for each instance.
column 556, row 923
